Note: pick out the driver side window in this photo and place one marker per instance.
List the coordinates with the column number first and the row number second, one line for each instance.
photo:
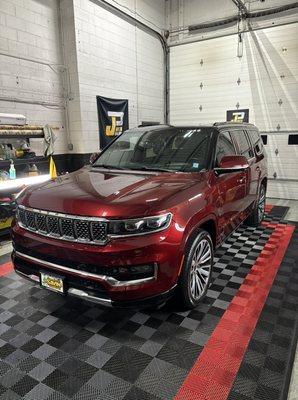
column 224, row 147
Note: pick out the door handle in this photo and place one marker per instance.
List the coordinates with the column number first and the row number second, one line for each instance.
column 241, row 180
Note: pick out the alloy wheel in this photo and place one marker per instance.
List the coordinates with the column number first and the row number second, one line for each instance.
column 200, row 269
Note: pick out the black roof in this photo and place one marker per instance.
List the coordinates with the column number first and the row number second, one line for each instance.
column 218, row 125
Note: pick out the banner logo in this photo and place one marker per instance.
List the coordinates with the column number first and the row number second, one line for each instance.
column 116, row 126
column 238, row 115
column 112, row 118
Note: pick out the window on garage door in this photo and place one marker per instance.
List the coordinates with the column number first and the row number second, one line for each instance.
column 244, row 146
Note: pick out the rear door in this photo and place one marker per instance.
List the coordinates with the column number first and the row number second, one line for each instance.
column 231, row 187
column 257, row 167
column 244, row 148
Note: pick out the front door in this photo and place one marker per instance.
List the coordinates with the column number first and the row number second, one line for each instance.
column 231, row 189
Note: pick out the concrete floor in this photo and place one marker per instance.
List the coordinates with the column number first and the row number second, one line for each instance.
column 292, row 215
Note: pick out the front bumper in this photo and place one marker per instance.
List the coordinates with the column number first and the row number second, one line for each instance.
column 84, row 264
column 29, row 267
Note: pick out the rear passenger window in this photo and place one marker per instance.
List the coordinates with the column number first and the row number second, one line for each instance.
column 225, row 146
column 243, row 144
column 256, row 141
column 254, row 136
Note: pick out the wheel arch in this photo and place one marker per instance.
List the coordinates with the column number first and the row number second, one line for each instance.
column 209, row 224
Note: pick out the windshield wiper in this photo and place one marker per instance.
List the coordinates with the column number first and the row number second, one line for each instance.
column 152, row 169
column 105, row 166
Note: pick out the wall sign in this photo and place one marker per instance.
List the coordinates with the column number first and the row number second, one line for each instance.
column 238, row 115
column 112, row 118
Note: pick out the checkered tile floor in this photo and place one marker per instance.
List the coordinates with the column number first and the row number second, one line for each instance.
column 52, row 348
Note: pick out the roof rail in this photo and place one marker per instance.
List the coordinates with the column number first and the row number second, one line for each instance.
column 231, row 123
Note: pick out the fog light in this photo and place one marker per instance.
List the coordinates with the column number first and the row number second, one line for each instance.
column 133, row 272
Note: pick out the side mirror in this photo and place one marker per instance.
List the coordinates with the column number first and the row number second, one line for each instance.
column 232, row 164
column 94, row 157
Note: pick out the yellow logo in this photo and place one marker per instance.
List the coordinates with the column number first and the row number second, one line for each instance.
column 116, row 126
column 238, row 116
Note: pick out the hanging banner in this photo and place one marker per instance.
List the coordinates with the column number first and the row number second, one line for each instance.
column 238, row 115
column 112, row 118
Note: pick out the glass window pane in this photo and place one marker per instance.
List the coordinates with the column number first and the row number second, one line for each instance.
column 225, row 146
column 243, row 144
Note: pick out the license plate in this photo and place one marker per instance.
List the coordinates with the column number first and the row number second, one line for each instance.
column 52, row 282
column 5, row 223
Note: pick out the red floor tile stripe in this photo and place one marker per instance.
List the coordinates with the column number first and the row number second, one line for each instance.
column 213, row 374
column 6, row 268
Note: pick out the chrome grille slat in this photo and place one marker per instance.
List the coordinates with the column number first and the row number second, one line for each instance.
column 61, row 226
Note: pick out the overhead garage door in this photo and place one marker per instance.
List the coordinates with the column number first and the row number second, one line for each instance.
column 207, row 79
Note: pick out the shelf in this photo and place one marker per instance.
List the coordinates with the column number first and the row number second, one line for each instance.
column 21, row 135
column 21, row 131
column 21, row 161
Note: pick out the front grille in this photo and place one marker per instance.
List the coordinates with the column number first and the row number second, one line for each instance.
column 65, row 227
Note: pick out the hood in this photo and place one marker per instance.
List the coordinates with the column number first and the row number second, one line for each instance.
column 94, row 192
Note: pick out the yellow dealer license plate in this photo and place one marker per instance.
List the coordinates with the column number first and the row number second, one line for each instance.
column 52, row 282
column 5, row 223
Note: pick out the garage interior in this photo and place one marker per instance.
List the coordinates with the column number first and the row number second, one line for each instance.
column 177, row 62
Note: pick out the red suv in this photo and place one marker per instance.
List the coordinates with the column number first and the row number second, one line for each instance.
column 143, row 220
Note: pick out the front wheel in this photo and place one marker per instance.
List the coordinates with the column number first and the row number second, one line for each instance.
column 258, row 212
column 197, row 268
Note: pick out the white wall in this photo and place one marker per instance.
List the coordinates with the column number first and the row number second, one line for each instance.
column 104, row 54
column 29, row 28
column 118, row 60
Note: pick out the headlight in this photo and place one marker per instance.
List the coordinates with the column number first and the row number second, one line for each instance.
column 139, row 226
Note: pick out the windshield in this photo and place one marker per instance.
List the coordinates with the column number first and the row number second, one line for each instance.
column 165, row 150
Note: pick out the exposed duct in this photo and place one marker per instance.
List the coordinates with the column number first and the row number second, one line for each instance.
column 246, row 15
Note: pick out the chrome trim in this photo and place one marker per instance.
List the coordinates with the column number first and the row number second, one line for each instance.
column 62, row 215
column 84, row 295
column 71, row 291
column 33, row 278
column 65, row 216
column 108, row 279
column 80, row 293
column 89, row 219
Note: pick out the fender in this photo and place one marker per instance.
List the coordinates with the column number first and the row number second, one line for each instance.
column 198, row 220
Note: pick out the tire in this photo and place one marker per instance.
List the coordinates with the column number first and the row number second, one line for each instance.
column 257, row 214
column 193, row 284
